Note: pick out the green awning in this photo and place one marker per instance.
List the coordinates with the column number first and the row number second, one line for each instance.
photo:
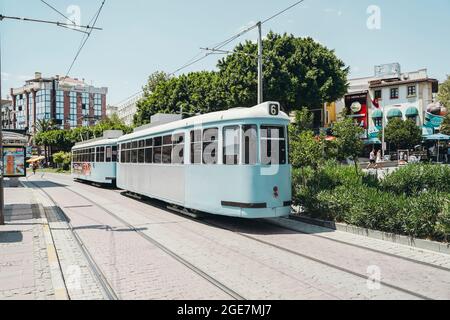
column 377, row 114
column 394, row 113
column 412, row 112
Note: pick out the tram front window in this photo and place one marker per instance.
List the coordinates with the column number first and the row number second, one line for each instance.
column 250, row 143
column 273, row 145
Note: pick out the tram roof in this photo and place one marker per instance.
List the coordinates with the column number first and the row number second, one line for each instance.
column 95, row 143
column 258, row 112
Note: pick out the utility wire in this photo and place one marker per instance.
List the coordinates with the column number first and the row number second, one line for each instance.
column 86, row 38
column 57, row 11
column 283, row 11
column 59, row 24
column 222, row 44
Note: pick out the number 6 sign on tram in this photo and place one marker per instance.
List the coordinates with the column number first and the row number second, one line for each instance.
column 274, row 110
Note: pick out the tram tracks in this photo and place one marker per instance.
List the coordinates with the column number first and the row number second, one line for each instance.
column 296, row 253
column 108, row 291
column 103, row 280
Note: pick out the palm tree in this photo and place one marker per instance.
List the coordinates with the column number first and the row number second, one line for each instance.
column 42, row 126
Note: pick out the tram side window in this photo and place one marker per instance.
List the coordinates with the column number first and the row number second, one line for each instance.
column 273, row 145
column 114, row 154
column 231, row 145
column 101, row 154
column 167, row 150
column 92, row 155
column 122, row 153
column 128, row 153
column 108, row 154
column 149, row 151
column 141, row 151
column 210, row 146
column 157, row 150
column 196, row 147
column 250, row 143
column 178, row 148
column 134, row 152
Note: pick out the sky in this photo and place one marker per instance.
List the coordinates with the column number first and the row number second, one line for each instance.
column 140, row 37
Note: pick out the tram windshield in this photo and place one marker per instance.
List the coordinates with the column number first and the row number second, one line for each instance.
column 273, row 145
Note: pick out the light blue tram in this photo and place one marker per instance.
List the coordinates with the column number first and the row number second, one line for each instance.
column 95, row 160
column 232, row 163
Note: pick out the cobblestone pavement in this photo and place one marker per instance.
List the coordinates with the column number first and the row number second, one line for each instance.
column 80, row 280
column 134, row 267
column 24, row 266
column 309, row 267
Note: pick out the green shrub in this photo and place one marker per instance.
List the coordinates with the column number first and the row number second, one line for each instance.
column 414, row 179
column 413, row 201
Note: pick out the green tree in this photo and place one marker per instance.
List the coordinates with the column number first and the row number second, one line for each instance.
column 306, row 149
column 63, row 160
column 42, row 126
column 444, row 93
column 402, row 134
column 193, row 93
column 304, row 120
column 445, row 127
column 348, row 140
column 297, row 72
column 154, row 80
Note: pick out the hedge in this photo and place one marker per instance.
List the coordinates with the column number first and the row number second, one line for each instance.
column 412, row 201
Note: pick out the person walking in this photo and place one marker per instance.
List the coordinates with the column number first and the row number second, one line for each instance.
column 372, row 159
column 35, row 167
column 378, row 160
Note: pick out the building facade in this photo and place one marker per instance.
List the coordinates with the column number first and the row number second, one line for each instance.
column 389, row 94
column 111, row 110
column 127, row 109
column 6, row 110
column 69, row 102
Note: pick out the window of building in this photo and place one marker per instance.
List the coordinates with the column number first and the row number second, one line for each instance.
column 412, row 91
column 250, row 143
column 378, row 94
column 231, row 145
column 394, row 93
column 210, row 152
column 273, row 145
column 196, row 147
column 378, row 122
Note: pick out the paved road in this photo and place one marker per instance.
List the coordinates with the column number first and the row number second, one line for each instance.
column 223, row 258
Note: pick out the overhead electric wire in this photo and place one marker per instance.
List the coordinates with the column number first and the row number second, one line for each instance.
column 57, row 11
column 59, row 24
column 86, row 38
column 282, row 11
column 236, row 36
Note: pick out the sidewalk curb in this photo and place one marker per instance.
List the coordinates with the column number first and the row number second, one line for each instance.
column 315, row 225
column 58, row 282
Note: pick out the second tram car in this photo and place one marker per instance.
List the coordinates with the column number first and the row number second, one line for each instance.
column 232, row 163
column 95, row 160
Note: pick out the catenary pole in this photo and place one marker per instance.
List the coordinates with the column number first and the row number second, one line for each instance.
column 260, row 65
column 2, row 195
column 383, row 142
